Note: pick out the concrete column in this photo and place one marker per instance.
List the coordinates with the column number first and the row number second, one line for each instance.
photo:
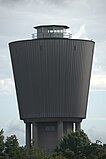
column 60, row 130
column 77, row 126
column 70, row 127
column 35, row 135
column 28, row 135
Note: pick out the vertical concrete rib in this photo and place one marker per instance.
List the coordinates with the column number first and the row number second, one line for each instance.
column 77, row 126
column 28, row 135
column 35, row 135
column 60, row 130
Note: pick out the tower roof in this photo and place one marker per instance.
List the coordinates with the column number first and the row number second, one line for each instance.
column 57, row 26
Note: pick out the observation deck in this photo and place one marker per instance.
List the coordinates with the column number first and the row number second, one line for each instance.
column 51, row 31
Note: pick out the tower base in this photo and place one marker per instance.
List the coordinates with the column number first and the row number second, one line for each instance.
column 46, row 135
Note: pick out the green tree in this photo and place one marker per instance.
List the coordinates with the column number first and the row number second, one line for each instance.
column 94, row 151
column 1, row 142
column 72, row 144
column 12, row 147
column 76, row 145
column 35, row 154
column 2, row 145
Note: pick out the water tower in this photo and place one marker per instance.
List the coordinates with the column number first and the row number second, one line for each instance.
column 52, row 75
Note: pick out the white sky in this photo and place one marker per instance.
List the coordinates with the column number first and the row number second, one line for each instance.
column 87, row 19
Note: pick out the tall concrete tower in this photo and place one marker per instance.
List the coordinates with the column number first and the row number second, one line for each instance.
column 52, row 75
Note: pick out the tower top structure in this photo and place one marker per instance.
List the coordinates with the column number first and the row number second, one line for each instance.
column 51, row 31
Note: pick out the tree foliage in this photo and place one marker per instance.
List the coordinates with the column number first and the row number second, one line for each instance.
column 1, row 143
column 74, row 141
column 75, row 145
column 12, row 146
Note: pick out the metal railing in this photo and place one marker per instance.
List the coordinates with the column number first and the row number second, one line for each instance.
column 51, row 35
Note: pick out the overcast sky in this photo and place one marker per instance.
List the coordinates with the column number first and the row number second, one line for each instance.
column 87, row 20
